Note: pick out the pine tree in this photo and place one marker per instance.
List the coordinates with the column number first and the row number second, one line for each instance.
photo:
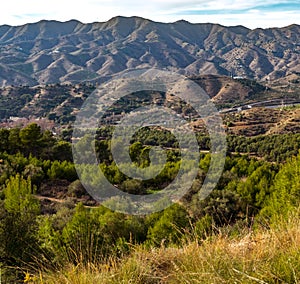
column 18, row 241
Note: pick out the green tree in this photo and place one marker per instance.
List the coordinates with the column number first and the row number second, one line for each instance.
column 170, row 227
column 62, row 151
column 19, row 197
column 18, row 242
column 4, row 135
column 62, row 170
column 82, row 241
column 256, row 188
column 30, row 137
column 285, row 195
column 14, row 141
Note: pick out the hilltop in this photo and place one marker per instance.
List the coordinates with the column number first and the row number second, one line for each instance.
column 49, row 52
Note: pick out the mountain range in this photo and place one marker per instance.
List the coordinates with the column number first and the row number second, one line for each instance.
column 49, row 52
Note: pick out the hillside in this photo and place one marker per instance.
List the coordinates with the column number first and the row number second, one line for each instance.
column 71, row 52
column 259, row 121
column 59, row 104
column 57, row 100
column 221, row 259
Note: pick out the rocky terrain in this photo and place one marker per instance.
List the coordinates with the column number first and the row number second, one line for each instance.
column 71, row 52
column 248, row 107
column 62, row 101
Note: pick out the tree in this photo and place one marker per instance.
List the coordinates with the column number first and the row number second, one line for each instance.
column 82, row 241
column 4, row 135
column 169, row 228
column 62, row 151
column 18, row 242
column 133, row 186
column 285, row 195
column 35, row 173
column 19, row 197
column 256, row 189
column 14, row 140
column 30, row 137
column 64, row 170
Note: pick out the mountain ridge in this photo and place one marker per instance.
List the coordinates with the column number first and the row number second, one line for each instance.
column 71, row 52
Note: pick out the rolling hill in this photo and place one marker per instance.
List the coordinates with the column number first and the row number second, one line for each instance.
column 58, row 100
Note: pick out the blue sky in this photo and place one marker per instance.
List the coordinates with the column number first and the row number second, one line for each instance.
column 250, row 13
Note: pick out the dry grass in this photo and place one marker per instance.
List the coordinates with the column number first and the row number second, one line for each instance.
column 267, row 256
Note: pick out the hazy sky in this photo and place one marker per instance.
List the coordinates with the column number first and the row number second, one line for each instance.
column 250, row 13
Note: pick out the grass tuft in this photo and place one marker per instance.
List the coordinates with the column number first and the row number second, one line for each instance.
column 264, row 256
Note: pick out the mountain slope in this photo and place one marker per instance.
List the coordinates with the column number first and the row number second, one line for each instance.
column 52, row 52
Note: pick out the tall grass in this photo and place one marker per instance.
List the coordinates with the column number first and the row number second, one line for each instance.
column 260, row 256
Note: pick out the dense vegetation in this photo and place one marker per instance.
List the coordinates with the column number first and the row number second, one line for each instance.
column 254, row 192
column 55, row 101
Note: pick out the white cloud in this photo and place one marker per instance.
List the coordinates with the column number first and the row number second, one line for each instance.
column 255, row 19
